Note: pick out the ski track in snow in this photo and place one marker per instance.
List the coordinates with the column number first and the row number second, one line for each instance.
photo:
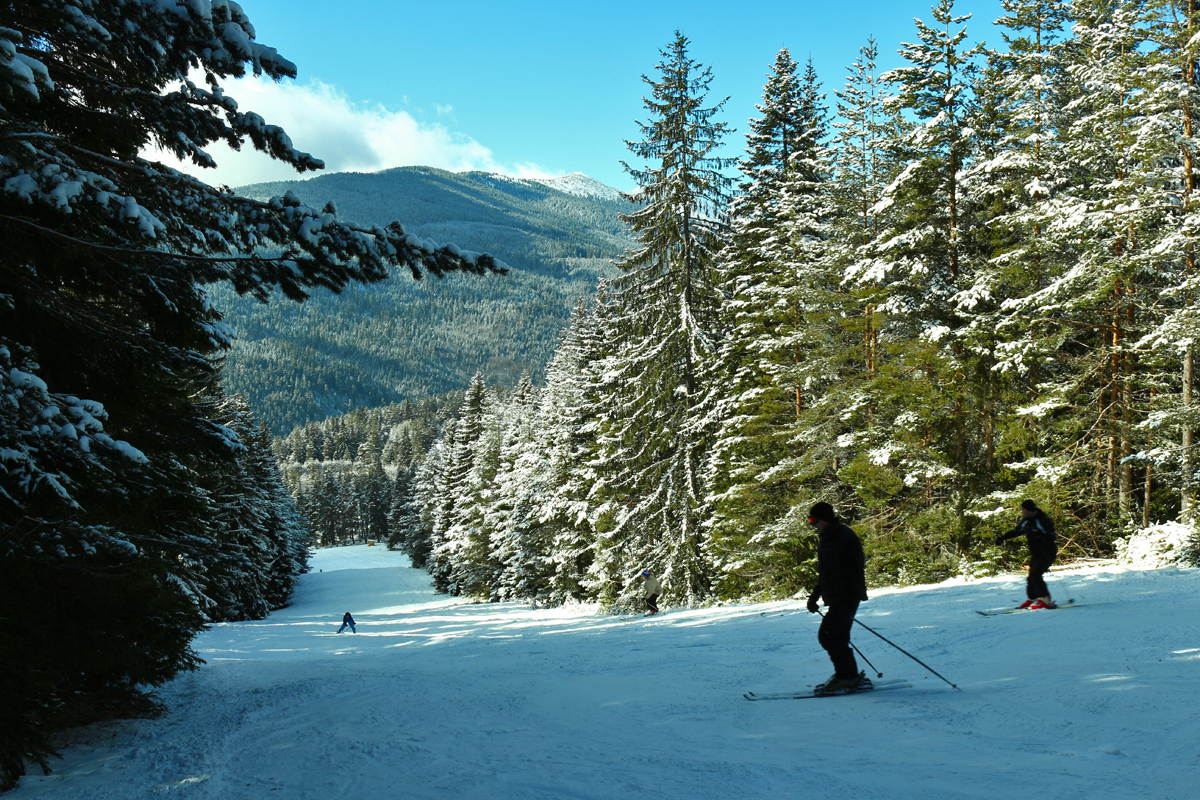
column 437, row 698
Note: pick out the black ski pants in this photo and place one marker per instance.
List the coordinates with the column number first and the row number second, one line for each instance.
column 1035, row 584
column 834, row 636
column 652, row 602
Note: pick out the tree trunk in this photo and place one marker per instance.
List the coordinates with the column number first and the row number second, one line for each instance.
column 1187, row 493
column 1188, row 499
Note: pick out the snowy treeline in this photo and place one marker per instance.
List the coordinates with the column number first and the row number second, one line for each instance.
column 351, row 475
column 948, row 287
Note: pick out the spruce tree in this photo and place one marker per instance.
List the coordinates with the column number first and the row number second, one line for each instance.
column 1015, row 185
column 661, row 318
column 403, row 519
column 435, row 504
column 567, row 437
column 920, row 443
column 288, row 537
column 1176, row 28
column 520, row 539
column 1131, row 62
column 461, row 549
column 844, row 419
column 770, row 271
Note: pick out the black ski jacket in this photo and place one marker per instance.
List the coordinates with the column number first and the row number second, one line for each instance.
column 841, row 566
column 1038, row 531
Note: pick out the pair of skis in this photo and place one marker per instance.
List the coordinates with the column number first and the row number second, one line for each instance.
column 811, row 692
column 997, row 612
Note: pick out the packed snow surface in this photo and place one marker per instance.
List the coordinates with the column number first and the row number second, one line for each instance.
column 438, row 698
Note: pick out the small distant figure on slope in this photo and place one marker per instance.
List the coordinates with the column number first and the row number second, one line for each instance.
column 348, row 622
column 1038, row 531
column 651, row 589
column 842, row 582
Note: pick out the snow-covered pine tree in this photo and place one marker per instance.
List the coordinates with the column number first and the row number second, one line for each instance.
column 434, row 503
column 566, row 433
column 934, row 89
column 772, row 140
column 349, row 502
column 866, row 134
column 324, row 510
column 921, row 445
column 770, row 273
column 1014, row 187
column 231, row 572
column 258, row 542
column 374, row 486
column 104, row 318
column 825, row 340
column 853, row 367
column 403, row 517
column 399, row 449
column 868, row 145
column 1123, row 144
column 1020, row 167
column 464, row 552
column 286, row 556
column 663, row 312
column 1136, row 64
column 1175, row 33
column 520, row 539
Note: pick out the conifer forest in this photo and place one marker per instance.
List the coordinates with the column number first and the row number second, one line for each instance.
column 926, row 296
column 921, row 295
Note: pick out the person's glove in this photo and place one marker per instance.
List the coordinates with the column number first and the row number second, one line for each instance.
column 812, row 605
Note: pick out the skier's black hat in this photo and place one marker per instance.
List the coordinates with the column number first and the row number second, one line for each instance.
column 822, row 511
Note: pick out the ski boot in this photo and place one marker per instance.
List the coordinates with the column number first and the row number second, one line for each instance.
column 836, row 685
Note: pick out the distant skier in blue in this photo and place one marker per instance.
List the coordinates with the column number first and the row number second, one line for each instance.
column 348, row 622
column 1038, row 531
column 651, row 589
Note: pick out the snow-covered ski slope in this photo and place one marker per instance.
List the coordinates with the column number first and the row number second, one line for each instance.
column 434, row 698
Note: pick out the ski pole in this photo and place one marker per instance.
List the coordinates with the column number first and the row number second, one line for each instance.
column 878, row 674
column 902, row 650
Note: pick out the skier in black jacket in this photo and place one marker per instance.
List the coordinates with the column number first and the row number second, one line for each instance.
column 1038, row 531
column 842, row 582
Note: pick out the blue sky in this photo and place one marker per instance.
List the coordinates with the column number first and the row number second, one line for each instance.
column 532, row 87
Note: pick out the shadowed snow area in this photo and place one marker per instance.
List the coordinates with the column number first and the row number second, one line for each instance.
column 437, row 698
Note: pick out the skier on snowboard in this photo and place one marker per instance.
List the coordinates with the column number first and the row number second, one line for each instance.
column 841, row 580
column 1038, row 531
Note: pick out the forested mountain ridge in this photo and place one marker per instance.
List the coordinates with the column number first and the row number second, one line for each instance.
column 379, row 344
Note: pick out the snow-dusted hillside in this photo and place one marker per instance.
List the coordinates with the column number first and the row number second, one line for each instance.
column 580, row 185
column 434, row 698
column 374, row 345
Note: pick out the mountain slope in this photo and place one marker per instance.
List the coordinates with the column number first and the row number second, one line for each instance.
column 379, row 344
column 437, row 698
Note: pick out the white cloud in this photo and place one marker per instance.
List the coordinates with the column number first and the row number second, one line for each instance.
column 348, row 137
